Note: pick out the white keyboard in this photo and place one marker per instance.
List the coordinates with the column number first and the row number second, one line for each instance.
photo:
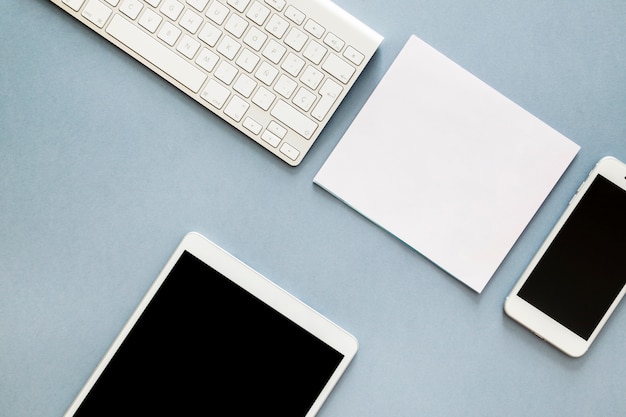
column 274, row 69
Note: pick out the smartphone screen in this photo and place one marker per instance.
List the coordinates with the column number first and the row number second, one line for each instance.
column 584, row 268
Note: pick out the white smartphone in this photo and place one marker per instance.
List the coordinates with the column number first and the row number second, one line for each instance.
column 578, row 276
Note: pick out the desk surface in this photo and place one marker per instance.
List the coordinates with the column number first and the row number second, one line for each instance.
column 104, row 167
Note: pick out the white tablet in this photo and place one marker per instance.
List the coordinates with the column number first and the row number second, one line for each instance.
column 214, row 337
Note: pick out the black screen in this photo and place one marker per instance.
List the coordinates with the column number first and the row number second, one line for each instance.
column 584, row 269
column 203, row 347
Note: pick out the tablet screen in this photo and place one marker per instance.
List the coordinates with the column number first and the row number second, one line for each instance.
column 206, row 346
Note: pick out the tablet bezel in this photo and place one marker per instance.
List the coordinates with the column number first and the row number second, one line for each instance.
column 257, row 285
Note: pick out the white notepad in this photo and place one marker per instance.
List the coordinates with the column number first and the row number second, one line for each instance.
column 446, row 163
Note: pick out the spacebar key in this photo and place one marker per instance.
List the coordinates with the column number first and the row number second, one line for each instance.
column 155, row 52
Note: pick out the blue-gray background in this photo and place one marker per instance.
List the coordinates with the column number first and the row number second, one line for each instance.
column 104, row 167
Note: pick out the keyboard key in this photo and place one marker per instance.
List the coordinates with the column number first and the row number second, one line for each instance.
column 210, row 34
column 228, row 47
column 248, row 60
column 263, row 98
column 96, row 12
column 215, row 94
column 245, row 85
column 236, row 25
column 330, row 92
column 236, row 108
column 294, row 119
column 258, row 13
column 252, row 125
column 290, row 151
column 217, row 12
column 304, row 99
column 225, row 72
column 172, row 9
column 270, row 138
column 169, row 33
column 274, row 51
column 277, row 26
column 314, row 28
column 150, row 20
column 153, row 51
column 285, row 86
column 296, row 39
column 353, row 55
column 191, row 21
column 312, row 77
column 334, row 42
column 207, row 59
column 277, row 129
column 188, row 46
column 266, row 73
column 294, row 15
column 293, row 64
column 255, row 39
column 131, row 8
column 314, row 52
column 338, row 68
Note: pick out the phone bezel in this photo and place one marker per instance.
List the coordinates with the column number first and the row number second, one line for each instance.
column 537, row 321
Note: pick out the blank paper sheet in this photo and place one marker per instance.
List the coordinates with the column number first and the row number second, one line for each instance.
column 446, row 163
